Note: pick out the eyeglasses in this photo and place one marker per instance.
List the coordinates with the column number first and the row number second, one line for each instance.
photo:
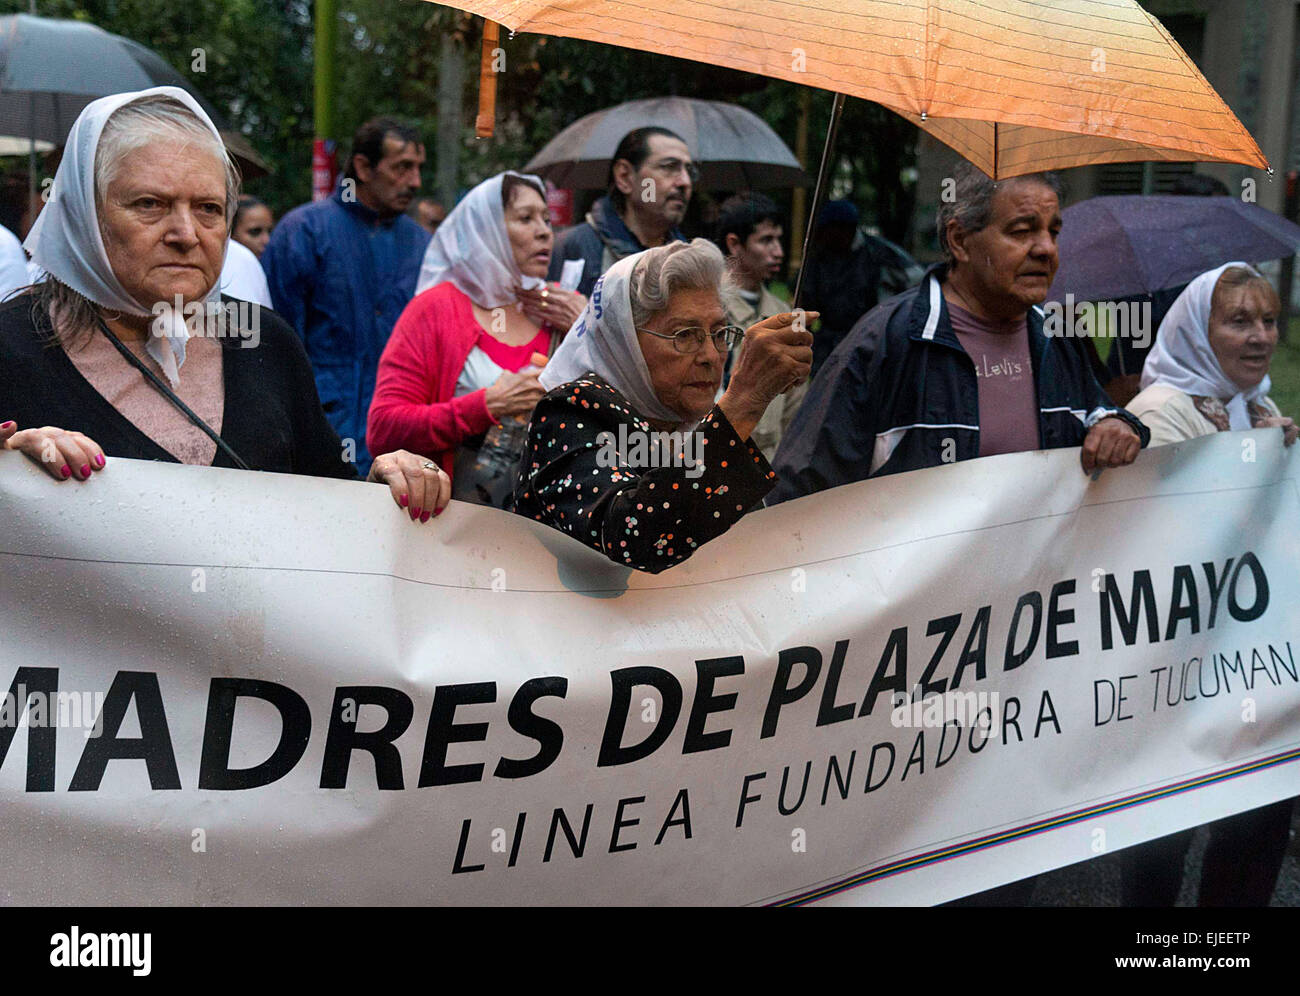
column 691, row 340
column 671, row 167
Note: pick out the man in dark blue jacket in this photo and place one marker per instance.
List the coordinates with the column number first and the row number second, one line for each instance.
column 341, row 270
column 959, row 367
column 650, row 181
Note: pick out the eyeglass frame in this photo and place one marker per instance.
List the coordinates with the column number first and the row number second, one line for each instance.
column 692, row 170
column 734, row 335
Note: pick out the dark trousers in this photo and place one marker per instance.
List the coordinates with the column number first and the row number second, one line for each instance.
column 1240, row 868
column 1011, row 894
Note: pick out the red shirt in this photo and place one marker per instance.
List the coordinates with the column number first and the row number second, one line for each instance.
column 413, row 408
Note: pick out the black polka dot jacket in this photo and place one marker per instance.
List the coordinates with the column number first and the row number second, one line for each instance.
column 593, row 468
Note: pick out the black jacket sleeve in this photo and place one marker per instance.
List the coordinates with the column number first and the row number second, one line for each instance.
column 583, row 476
column 833, row 436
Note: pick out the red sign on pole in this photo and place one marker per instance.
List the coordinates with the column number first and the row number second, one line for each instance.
column 560, row 201
column 324, row 170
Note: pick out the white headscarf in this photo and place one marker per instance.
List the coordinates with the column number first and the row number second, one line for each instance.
column 66, row 240
column 603, row 340
column 1184, row 359
column 472, row 250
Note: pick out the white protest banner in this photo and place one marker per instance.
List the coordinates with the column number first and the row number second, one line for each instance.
column 251, row 688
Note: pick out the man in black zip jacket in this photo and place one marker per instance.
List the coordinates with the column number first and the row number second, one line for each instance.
column 959, row 367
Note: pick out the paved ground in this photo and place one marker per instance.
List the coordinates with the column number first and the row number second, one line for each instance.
column 1096, row 882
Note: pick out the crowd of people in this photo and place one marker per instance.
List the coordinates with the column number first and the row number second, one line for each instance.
column 475, row 354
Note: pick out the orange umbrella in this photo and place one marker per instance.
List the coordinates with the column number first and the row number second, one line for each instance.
column 1013, row 86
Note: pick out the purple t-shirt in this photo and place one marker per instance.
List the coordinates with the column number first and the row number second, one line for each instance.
column 1008, row 402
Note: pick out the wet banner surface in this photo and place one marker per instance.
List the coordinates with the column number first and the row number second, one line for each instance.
column 233, row 687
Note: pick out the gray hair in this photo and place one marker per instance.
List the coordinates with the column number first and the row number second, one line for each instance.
column 971, row 203
column 694, row 265
column 150, row 119
column 130, row 127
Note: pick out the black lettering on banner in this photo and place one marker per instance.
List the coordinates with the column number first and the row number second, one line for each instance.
column 1143, row 600
column 783, row 693
column 705, row 703
column 1058, row 616
column 576, row 844
column 1261, row 590
column 886, row 678
column 458, row 866
column 43, row 681
column 1185, row 602
column 947, row 625
column 842, row 779
column 976, row 649
column 1217, row 584
column 1014, row 658
column 620, row 704
column 746, row 798
column 153, row 746
column 548, row 733
column 295, row 730
column 828, row 712
column 684, row 822
column 342, row 737
column 444, row 731
column 620, row 823
column 803, row 791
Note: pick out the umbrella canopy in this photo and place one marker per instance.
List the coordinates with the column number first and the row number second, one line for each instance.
column 1014, row 87
column 51, row 69
column 1116, row 247
column 734, row 148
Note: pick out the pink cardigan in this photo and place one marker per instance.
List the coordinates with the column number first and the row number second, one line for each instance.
column 413, row 408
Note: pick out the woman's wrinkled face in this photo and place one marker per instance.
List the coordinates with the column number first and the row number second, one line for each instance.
column 686, row 383
column 1243, row 333
column 528, row 222
column 164, row 221
column 254, row 228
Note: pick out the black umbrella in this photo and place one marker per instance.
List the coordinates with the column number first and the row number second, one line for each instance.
column 51, row 69
column 1119, row 247
column 733, row 147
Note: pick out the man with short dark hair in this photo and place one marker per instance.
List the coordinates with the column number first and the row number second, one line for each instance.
column 341, row 270
column 960, row 367
column 651, row 178
column 749, row 231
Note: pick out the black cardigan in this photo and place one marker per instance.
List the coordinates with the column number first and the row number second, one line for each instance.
column 272, row 415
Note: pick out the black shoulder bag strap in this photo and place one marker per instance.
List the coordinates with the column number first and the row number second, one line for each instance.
column 169, row 394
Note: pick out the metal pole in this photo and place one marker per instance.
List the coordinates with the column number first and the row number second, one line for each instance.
column 819, row 192
column 325, row 32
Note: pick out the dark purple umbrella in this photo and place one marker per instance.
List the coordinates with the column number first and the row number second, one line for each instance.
column 1117, row 247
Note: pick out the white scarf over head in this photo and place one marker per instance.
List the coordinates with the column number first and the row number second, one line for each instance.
column 1183, row 358
column 66, row 241
column 603, row 341
column 471, row 248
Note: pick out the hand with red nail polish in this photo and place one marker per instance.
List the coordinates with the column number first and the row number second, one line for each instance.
column 416, row 482
column 56, row 450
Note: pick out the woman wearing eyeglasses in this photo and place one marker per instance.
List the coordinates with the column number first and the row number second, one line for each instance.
column 628, row 451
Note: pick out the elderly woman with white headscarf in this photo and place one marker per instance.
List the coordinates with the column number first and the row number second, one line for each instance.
column 458, row 376
column 1208, row 371
column 628, row 451
column 127, row 348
